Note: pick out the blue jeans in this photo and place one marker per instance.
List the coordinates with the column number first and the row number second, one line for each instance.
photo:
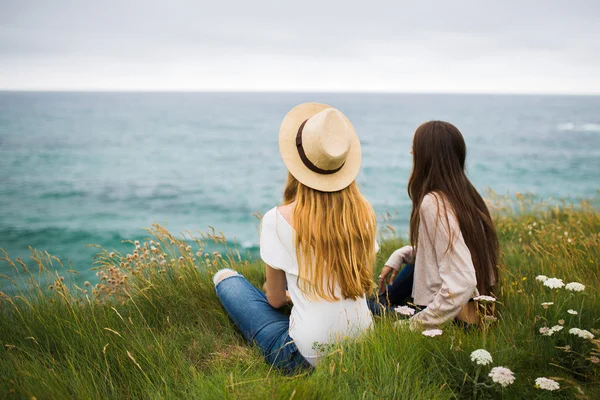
column 260, row 323
column 396, row 294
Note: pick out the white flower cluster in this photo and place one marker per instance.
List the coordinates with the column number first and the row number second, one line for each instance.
column 432, row 332
column 502, row 376
column 575, row 287
column 572, row 312
column 554, row 283
column 546, row 304
column 481, row 357
column 541, row 278
column 546, row 384
column 405, row 310
column 550, row 331
column 582, row 333
column 485, row 299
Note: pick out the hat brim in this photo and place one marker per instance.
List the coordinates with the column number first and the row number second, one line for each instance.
column 289, row 152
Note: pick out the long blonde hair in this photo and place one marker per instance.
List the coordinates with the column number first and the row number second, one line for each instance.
column 336, row 231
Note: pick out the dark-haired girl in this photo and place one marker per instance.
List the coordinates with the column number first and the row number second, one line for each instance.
column 454, row 245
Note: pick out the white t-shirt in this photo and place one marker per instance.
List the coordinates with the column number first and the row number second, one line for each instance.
column 313, row 323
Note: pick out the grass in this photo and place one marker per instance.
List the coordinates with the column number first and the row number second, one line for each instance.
column 154, row 329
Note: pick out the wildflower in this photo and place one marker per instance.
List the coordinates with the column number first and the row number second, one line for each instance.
column 136, row 243
column 569, row 240
column 547, row 304
column 481, row 357
column 112, row 254
column 546, row 384
column 86, row 283
column 556, row 328
column 566, row 233
column 572, row 312
column 554, row 283
column 535, row 223
column 199, row 253
column 172, row 241
column 405, row 310
column 502, row 376
column 163, row 263
column 582, row 333
column 432, row 332
column 541, row 278
column 188, row 248
column 575, row 287
column 62, row 278
column 546, row 331
column 595, row 359
column 484, row 299
column 153, row 248
column 181, row 259
column 561, row 321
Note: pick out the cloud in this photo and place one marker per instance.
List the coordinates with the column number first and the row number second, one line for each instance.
column 518, row 46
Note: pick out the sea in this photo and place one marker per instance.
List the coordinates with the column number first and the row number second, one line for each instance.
column 85, row 168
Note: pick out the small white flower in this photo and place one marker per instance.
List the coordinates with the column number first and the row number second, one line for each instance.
column 575, row 287
column 535, row 223
column 484, row 299
column 481, row 357
column 556, row 328
column 546, row 304
column 566, row 233
column 432, row 332
column 554, row 283
column 405, row 310
column 541, row 278
column 546, row 331
column 502, row 376
column 582, row 333
column 546, row 384
column 569, row 240
column 572, row 312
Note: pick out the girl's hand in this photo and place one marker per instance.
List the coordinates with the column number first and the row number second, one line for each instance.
column 388, row 274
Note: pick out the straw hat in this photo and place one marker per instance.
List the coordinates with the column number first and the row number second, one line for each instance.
column 320, row 147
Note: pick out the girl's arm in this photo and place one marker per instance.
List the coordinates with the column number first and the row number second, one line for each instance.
column 404, row 255
column 275, row 288
column 454, row 262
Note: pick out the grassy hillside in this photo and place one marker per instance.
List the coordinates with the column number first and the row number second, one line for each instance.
column 152, row 327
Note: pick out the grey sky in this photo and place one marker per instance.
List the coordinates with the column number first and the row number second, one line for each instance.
column 519, row 46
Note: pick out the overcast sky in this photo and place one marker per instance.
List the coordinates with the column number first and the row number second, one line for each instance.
column 515, row 46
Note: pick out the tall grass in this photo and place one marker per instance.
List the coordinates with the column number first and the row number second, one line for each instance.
column 152, row 327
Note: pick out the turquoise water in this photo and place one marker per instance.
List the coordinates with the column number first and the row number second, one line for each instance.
column 81, row 168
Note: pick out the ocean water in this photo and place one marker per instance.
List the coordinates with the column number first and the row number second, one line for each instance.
column 83, row 168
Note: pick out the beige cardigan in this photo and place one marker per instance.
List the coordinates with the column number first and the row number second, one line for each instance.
column 444, row 280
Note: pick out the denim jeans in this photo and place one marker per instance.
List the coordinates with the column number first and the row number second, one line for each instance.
column 396, row 294
column 260, row 323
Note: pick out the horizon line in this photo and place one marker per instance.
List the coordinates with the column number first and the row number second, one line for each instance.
column 242, row 91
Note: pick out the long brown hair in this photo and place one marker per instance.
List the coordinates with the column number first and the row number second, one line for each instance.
column 439, row 153
column 335, row 241
column 291, row 188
